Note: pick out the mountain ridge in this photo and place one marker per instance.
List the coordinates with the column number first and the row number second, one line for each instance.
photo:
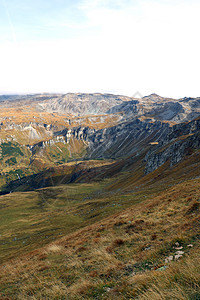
column 153, row 126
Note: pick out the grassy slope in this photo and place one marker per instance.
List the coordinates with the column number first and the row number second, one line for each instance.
column 116, row 257
column 31, row 219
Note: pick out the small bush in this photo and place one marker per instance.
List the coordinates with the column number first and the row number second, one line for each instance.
column 81, row 249
column 93, row 274
column 154, row 237
column 194, row 207
column 109, row 249
column 117, row 242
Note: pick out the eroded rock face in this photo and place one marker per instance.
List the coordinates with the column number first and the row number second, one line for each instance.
column 114, row 142
column 180, row 140
column 128, row 138
column 82, row 104
column 158, row 140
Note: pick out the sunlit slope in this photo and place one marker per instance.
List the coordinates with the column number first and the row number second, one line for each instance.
column 18, row 161
column 116, row 184
column 122, row 256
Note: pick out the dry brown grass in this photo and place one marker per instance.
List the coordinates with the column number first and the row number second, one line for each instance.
column 173, row 282
column 119, row 257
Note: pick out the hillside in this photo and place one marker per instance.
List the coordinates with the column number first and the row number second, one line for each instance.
column 134, row 254
column 99, row 197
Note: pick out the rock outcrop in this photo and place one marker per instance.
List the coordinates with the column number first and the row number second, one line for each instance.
column 179, row 141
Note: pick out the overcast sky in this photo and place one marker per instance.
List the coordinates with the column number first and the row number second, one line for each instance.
column 109, row 46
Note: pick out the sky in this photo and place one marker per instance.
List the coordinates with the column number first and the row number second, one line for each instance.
column 121, row 47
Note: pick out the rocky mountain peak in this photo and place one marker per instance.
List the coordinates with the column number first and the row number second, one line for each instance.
column 156, row 98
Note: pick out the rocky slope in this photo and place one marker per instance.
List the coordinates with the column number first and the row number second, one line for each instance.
column 153, row 106
column 43, row 131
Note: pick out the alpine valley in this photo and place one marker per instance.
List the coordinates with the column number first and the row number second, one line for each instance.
column 100, row 197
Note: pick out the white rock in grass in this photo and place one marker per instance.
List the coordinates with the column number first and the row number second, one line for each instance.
column 168, row 259
column 179, row 252
column 178, row 256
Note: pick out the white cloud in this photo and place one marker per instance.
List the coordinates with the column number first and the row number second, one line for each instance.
column 123, row 47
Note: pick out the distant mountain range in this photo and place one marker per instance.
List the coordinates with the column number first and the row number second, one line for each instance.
column 152, row 106
column 41, row 131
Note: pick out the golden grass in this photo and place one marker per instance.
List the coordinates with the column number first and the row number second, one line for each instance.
column 173, row 282
column 119, row 257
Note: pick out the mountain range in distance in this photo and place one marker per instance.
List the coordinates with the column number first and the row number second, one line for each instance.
column 42, row 131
